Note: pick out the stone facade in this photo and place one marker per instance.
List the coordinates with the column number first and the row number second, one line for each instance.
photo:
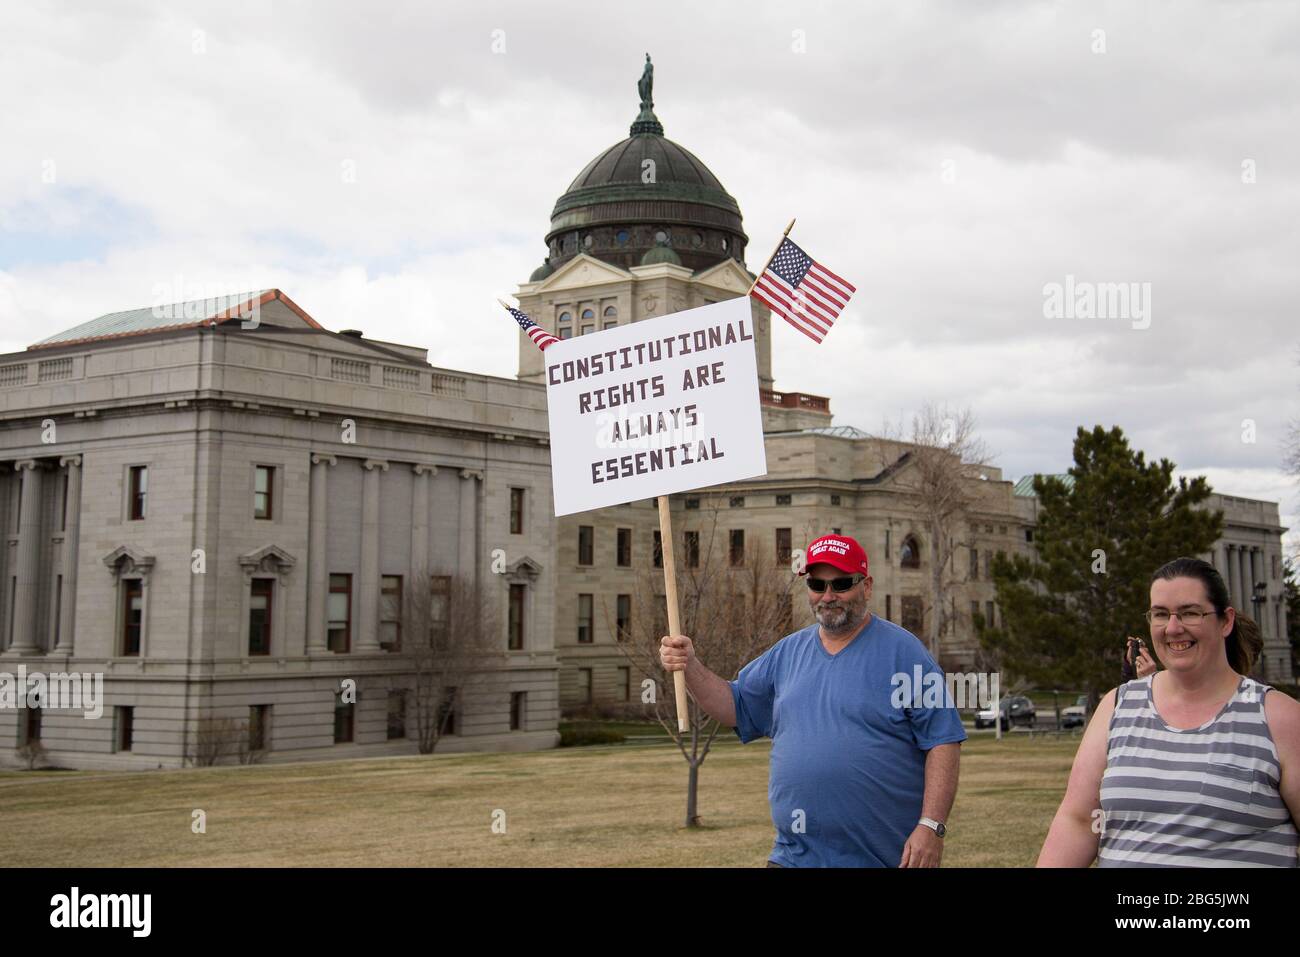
column 382, row 466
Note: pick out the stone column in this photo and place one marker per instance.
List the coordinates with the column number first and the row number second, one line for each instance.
column 368, row 634
column 64, row 642
column 1247, row 586
column 420, row 519
column 318, row 576
column 1230, row 573
column 1256, row 575
column 468, row 566
column 27, row 593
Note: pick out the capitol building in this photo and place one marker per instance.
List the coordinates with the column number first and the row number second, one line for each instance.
column 220, row 516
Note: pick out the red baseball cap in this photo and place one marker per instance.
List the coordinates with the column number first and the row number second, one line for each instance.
column 838, row 550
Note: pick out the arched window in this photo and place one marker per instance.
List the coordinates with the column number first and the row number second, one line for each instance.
column 588, row 314
column 611, row 311
column 565, row 317
column 909, row 556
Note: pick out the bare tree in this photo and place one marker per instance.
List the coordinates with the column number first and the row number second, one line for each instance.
column 216, row 739
column 733, row 606
column 449, row 630
column 944, row 458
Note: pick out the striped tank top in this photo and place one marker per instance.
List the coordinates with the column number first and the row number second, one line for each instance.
column 1203, row 797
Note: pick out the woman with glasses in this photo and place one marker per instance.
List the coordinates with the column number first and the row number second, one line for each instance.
column 1196, row 765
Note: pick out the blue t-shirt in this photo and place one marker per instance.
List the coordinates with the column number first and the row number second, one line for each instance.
column 848, row 768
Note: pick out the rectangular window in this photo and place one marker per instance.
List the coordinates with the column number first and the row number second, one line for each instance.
column 625, row 683
column 259, row 616
column 259, row 722
column 447, row 711
column 737, row 552
column 693, row 502
column 974, row 610
column 343, row 717
column 132, row 615
column 32, row 725
column 835, row 500
column 139, row 492
column 784, row 546
column 518, row 709
column 989, row 609
column 737, row 501
column 912, row 614
column 125, row 736
column 516, row 511
column 611, row 325
column 888, row 536
column 658, row 551
column 339, row 612
column 988, row 565
column 515, row 624
column 889, row 608
column 625, row 547
column 783, row 500
column 691, row 541
column 588, row 330
column 566, row 332
column 63, row 522
column 264, row 492
column 586, row 545
column 623, row 618
column 440, row 607
column 584, row 619
column 390, row 612
column 396, row 714
column 974, row 565
column 1029, row 534
column 584, row 685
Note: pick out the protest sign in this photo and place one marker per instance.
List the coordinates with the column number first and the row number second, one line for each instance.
column 655, row 407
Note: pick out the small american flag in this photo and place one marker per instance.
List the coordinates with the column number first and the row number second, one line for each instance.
column 541, row 338
column 802, row 292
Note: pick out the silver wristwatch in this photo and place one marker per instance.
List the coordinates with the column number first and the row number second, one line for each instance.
column 936, row 826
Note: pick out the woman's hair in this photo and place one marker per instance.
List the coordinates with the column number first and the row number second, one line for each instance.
column 1244, row 642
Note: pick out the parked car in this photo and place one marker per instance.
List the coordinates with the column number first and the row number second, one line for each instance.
column 1013, row 709
column 1075, row 715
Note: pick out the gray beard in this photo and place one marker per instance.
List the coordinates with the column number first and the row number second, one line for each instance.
column 837, row 620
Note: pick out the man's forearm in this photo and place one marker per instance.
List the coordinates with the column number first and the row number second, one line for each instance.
column 713, row 693
column 940, row 780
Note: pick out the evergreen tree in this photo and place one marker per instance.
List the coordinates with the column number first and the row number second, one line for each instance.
column 1101, row 534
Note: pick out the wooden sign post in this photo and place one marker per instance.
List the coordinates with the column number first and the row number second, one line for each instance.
column 652, row 408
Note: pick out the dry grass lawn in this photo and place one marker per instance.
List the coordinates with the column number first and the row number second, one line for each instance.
column 615, row 806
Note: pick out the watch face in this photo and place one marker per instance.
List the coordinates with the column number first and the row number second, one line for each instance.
column 941, row 830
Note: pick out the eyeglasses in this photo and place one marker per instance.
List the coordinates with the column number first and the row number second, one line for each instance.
column 1190, row 617
column 838, row 585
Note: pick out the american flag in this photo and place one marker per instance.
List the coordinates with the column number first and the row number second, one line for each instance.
column 541, row 338
column 802, row 292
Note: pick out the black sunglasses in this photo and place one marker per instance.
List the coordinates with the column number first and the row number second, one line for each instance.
column 818, row 585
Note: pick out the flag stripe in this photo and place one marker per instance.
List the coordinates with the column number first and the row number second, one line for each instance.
column 779, row 288
column 849, row 288
column 786, row 306
column 802, row 323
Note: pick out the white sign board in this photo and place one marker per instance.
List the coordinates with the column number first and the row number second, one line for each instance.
column 654, row 407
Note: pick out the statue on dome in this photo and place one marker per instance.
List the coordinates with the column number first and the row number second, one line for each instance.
column 645, row 85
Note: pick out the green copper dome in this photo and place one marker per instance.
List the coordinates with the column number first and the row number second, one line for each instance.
column 645, row 192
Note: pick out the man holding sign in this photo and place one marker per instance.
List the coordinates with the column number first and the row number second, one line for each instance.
column 857, row 780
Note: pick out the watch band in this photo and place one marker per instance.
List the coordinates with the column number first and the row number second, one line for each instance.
column 936, row 826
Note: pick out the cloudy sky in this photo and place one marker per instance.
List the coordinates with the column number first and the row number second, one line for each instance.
column 392, row 167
